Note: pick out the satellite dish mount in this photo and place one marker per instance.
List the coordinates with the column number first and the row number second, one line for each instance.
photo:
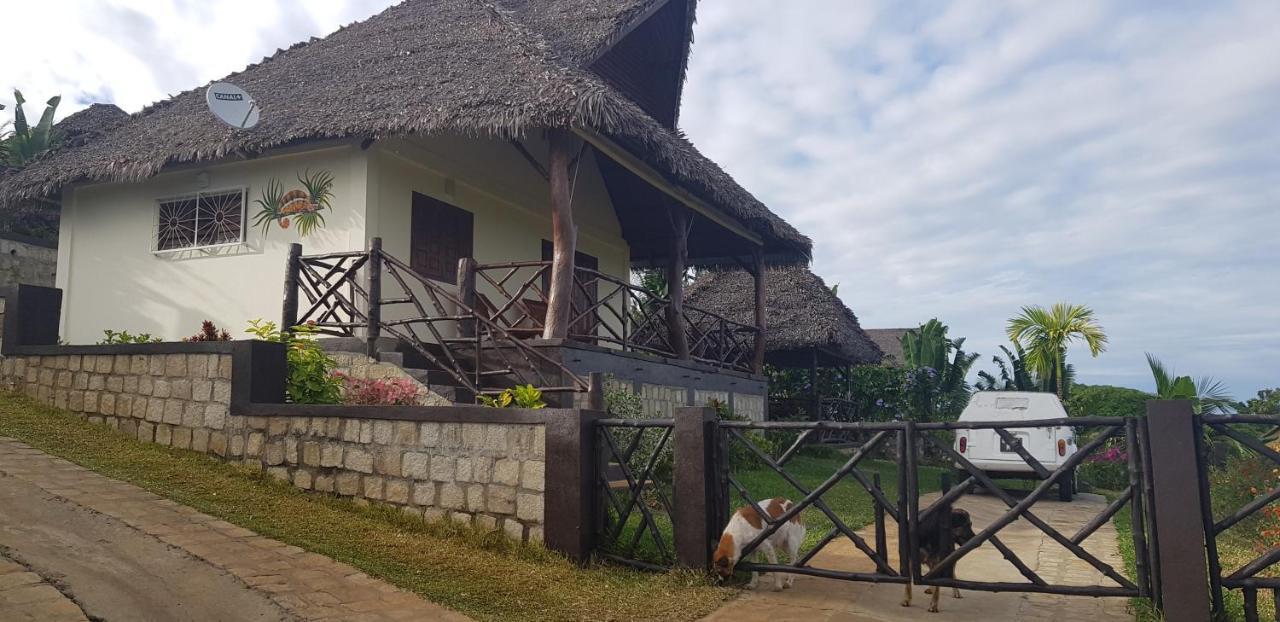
column 232, row 105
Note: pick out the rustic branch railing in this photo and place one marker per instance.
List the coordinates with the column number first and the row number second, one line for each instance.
column 479, row 354
column 634, row 479
column 738, row 451
column 1247, row 577
column 606, row 310
column 1108, row 427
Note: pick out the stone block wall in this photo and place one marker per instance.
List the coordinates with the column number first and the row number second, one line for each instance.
column 489, row 473
column 469, row 464
column 181, row 400
column 27, row 260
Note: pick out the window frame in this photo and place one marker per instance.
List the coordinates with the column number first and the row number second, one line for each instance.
column 196, row 196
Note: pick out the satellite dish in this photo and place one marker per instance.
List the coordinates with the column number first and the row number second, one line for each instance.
column 232, row 105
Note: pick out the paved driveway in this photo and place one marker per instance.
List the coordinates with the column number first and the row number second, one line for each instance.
column 829, row 600
column 79, row 545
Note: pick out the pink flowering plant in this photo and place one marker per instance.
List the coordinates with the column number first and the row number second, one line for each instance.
column 1106, row 468
column 378, row 392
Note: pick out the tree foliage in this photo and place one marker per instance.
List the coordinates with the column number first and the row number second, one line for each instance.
column 1106, row 401
column 1267, row 403
column 26, row 142
column 1047, row 333
column 1208, row 395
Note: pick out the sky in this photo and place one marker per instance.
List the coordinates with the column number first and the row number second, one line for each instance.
column 949, row 159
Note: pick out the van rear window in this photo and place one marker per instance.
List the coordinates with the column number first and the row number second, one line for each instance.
column 1013, row 403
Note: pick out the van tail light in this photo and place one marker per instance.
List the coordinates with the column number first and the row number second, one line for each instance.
column 1062, row 447
column 964, row 443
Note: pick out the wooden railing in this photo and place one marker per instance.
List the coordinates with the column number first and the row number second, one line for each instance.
column 478, row 353
column 606, row 310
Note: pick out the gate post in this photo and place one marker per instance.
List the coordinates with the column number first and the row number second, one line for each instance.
column 569, row 518
column 694, row 484
column 1184, row 587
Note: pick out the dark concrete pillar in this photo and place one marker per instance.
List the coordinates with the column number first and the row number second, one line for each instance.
column 1184, row 576
column 569, row 502
column 694, row 523
column 32, row 314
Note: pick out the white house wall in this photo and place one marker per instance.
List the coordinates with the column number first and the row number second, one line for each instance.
column 111, row 279
column 509, row 200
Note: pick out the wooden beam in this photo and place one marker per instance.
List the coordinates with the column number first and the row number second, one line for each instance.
column 564, row 237
column 676, row 262
column 815, row 396
column 757, row 276
column 642, row 170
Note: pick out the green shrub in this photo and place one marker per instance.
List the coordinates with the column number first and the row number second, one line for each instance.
column 112, row 337
column 621, row 403
column 311, row 379
column 523, row 396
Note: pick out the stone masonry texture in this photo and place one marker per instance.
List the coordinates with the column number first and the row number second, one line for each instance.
column 492, row 474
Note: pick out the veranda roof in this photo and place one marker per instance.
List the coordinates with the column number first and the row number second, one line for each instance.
column 801, row 314
column 424, row 66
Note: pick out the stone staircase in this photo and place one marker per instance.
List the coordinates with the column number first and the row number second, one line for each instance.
column 393, row 361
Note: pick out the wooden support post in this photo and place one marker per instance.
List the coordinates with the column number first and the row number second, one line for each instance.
column 679, row 256
column 694, row 523
column 882, row 538
column 467, row 294
column 292, row 269
column 757, row 262
column 374, row 328
column 595, row 391
column 564, row 237
column 815, row 395
column 1184, row 579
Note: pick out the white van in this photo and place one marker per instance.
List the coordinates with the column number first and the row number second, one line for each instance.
column 1051, row 446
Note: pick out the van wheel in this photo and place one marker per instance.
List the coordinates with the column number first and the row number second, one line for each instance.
column 1067, row 485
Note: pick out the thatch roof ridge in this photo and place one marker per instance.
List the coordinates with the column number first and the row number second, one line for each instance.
column 889, row 340
column 579, row 31
column 429, row 66
column 800, row 310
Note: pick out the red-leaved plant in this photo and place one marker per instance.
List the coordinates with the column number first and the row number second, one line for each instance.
column 397, row 392
column 209, row 332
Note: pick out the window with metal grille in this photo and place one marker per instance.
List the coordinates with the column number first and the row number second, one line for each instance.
column 200, row 220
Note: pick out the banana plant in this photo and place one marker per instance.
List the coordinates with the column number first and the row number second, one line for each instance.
column 27, row 142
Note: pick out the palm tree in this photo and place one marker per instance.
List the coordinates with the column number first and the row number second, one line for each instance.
column 1046, row 334
column 1207, row 394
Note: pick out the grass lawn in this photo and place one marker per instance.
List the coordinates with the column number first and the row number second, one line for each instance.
column 483, row 575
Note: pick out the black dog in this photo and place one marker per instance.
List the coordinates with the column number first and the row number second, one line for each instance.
column 935, row 547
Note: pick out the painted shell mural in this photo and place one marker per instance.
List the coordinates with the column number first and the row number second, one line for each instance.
column 300, row 206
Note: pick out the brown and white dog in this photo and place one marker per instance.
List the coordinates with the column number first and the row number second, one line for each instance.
column 934, row 546
column 745, row 525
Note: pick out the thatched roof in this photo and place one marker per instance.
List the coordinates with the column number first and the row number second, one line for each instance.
column 89, row 124
column 801, row 313
column 424, row 66
column 579, row 30
column 889, row 340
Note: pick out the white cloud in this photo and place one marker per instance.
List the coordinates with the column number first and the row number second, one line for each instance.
column 986, row 156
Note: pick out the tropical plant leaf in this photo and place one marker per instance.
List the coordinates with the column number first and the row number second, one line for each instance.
column 269, row 200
